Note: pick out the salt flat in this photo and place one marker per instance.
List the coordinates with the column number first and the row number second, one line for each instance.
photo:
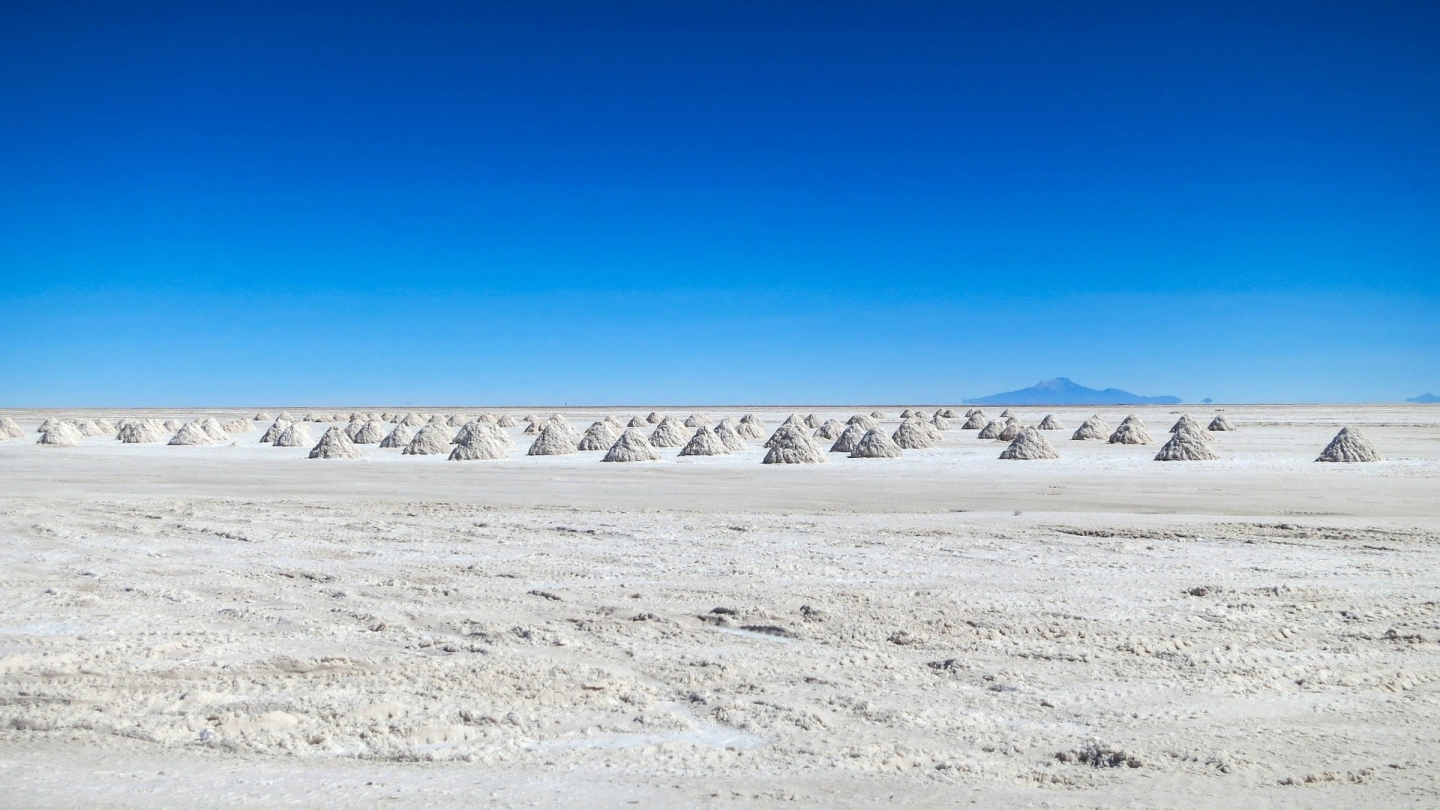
column 240, row 625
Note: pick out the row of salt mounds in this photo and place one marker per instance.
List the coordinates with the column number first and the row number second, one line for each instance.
column 61, row 434
column 399, row 437
column 273, row 432
column 1220, row 424
column 848, row 440
column 974, row 420
column 705, row 443
column 875, row 444
column 862, row 421
column 790, row 445
column 601, row 435
column 295, row 434
column 912, row 435
column 1050, row 423
column 829, row 431
column 632, row 446
column 669, row 433
column 1131, row 431
column 335, row 444
column 1188, row 443
column 554, row 440
column 10, row 430
column 728, row 432
column 141, row 431
column 481, row 441
column 1349, row 445
column 191, row 433
column 696, row 420
column 1092, row 428
column 430, row 440
column 1030, row 445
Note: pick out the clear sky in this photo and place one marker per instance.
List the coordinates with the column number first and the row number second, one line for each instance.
column 507, row 203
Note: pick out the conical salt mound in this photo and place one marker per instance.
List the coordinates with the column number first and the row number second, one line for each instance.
column 991, row 430
column 601, row 436
column 848, row 440
column 311, row 417
column 729, row 436
column 907, row 414
column 877, row 415
column 399, row 437
column 930, row 430
column 274, row 431
column 552, row 441
column 1050, row 423
column 1220, row 424
column 237, row 426
column 668, row 433
column 1131, row 419
column 862, row 421
column 975, row 421
column 371, row 433
column 109, row 429
column 1131, row 432
column 506, row 421
column 63, row 434
column 947, row 413
column 632, row 446
column 794, row 420
column 480, row 444
column 696, row 420
column 875, row 444
column 429, row 440
column 531, row 429
column 10, row 430
column 1187, row 444
column 830, row 431
column 1011, row 431
column 191, row 433
column 294, row 435
column 1030, row 445
column 940, row 422
column 1093, row 428
column 262, row 417
column 1349, row 445
column 921, row 415
column 142, row 431
column 790, row 445
column 212, row 428
column 911, row 435
column 616, row 421
column 704, row 443
column 1005, row 414
column 637, row 422
column 570, row 433
column 335, row 444
column 750, row 427
column 654, row 418
column 48, row 425
column 88, row 428
column 813, row 421
column 456, row 420
column 1182, row 421
column 352, row 429
column 412, row 420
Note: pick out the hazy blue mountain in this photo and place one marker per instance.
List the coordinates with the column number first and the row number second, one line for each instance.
column 1062, row 391
column 1427, row 399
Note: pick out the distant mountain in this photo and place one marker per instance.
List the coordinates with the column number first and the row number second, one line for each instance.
column 1427, row 399
column 1061, row 391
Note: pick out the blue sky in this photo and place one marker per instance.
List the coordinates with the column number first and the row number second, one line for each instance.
column 716, row 203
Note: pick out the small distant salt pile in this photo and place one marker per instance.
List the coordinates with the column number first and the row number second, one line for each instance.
column 696, row 420
column 295, row 434
column 601, row 436
column 1220, row 424
column 1093, row 428
column 1011, row 431
column 274, row 431
column 921, row 415
column 912, row 435
column 877, row 415
column 1005, row 414
column 750, row 427
column 860, row 420
column 813, row 421
column 654, row 418
column 1050, row 423
column 49, row 425
column 456, row 420
column 830, row 431
column 1184, row 421
column 141, row 431
column 429, row 440
column 668, row 433
column 285, row 416
column 262, row 417
column 849, row 439
column 570, row 433
column 975, row 420
column 947, row 413
column 875, row 444
column 616, row 422
column 637, row 422
column 213, row 429
column 632, row 446
column 705, row 443
column 1030, row 445
column 553, row 440
column 352, row 429
column 1349, row 445
column 1131, row 431
column 506, row 421
column 991, row 430
column 88, row 428
column 372, row 433
column 532, row 429
column 10, row 430
column 389, row 418
column 1189, row 443
column 399, row 437
column 237, row 426
column 374, row 417
column 61, row 434
column 482, row 443
column 907, row 414
column 729, row 434
column 790, row 445
column 191, row 433
column 312, row 417
column 940, row 422
column 412, row 420
column 335, row 444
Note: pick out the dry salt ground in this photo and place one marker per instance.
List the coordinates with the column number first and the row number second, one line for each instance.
column 234, row 624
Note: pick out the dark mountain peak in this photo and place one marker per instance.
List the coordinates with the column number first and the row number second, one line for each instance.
column 1065, row 391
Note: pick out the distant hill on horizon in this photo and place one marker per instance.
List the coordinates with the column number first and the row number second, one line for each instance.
column 1064, row 391
column 1425, row 399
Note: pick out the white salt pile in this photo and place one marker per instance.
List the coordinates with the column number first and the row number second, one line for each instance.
column 1030, row 445
column 632, row 446
column 600, row 437
column 429, row 440
column 794, row 420
column 411, row 420
column 570, row 433
column 991, row 430
column 940, row 422
column 791, row 445
column 696, row 420
column 973, row 411
column 295, row 434
column 947, row 413
column 237, row 426
column 704, row 443
column 1349, row 445
column 352, row 429
column 262, row 417
column 531, row 429
column 907, row 414
column 877, row 414
column 728, row 433
column 212, row 428
column 311, row 417
column 975, row 420
column 1050, row 423
column 141, row 431
column 862, row 421
column 285, row 416
column 1011, row 430
column 875, row 444
column 1187, row 444
column 457, row 420
column 553, row 440
column 482, row 443
column 1220, row 424
column 88, row 428
column 813, row 421
column 49, row 425
column 506, row 421
column 61, row 434
column 638, row 422
column 912, row 435
column 848, row 440
column 829, row 431
column 372, row 432
column 1184, row 421
column 1093, row 428
column 668, row 433
column 191, row 433
column 1005, row 414
column 335, row 444
column 654, row 418
column 10, row 430
column 106, row 427
column 274, row 431
column 1131, row 431
column 615, row 422
column 750, row 427
column 399, row 437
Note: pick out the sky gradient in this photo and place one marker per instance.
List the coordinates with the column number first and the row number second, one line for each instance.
column 716, row 203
